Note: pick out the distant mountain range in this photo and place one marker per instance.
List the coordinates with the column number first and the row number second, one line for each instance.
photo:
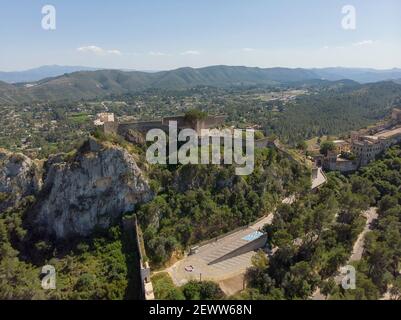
column 103, row 83
column 359, row 75
column 362, row 75
column 40, row 73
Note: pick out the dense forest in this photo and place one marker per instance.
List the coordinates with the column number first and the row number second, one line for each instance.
column 100, row 267
column 165, row 289
column 315, row 237
column 196, row 203
column 335, row 112
column 294, row 113
column 192, row 204
column 379, row 269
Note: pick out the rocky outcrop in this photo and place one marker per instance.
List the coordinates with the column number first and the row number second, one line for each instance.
column 75, row 193
column 135, row 137
column 19, row 177
column 91, row 190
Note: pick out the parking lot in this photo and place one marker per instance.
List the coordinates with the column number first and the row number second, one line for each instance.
column 198, row 267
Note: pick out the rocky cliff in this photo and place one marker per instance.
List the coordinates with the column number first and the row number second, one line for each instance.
column 19, row 177
column 81, row 192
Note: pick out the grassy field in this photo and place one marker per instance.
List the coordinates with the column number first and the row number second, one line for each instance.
column 79, row 118
column 313, row 144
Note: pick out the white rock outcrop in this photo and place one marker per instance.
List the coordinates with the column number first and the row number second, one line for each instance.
column 19, row 177
column 90, row 191
column 80, row 193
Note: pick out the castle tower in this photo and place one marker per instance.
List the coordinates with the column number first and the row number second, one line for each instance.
column 396, row 116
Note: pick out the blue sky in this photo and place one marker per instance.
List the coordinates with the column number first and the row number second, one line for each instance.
column 167, row 34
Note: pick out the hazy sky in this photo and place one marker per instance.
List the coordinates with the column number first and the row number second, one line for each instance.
column 166, row 34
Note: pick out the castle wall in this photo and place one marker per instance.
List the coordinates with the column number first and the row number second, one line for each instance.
column 143, row 127
column 113, row 127
column 265, row 143
column 396, row 116
column 213, row 122
column 131, row 225
column 251, row 246
column 346, row 166
column 181, row 122
column 208, row 123
column 110, row 127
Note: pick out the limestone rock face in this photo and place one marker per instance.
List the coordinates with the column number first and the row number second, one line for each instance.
column 91, row 190
column 19, row 177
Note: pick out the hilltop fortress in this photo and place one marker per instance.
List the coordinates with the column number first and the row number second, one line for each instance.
column 363, row 146
column 106, row 122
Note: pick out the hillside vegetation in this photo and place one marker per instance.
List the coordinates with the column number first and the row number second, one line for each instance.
column 192, row 204
column 315, row 237
column 107, row 83
column 196, row 203
column 335, row 112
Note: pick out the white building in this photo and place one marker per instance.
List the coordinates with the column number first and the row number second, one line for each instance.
column 102, row 118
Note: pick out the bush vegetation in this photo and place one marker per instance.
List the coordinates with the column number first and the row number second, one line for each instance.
column 165, row 289
column 315, row 237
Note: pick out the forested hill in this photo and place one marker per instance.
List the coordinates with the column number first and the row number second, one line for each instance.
column 336, row 111
column 39, row 73
column 8, row 93
column 103, row 83
column 186, row 205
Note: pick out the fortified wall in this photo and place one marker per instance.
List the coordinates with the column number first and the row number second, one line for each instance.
column 146, row 289
column 131, row 130
column 143, row 127
column 107, row 123
column 207, row 123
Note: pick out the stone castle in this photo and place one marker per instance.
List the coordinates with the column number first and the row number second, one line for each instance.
column 363, row 146
column 106, row 122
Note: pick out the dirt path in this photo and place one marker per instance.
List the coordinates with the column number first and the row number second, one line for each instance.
column 357, row 251
column 358, row 248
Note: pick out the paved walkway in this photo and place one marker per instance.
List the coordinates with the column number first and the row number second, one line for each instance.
column 196, row 266
column 228, row 272
column 320, row 179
